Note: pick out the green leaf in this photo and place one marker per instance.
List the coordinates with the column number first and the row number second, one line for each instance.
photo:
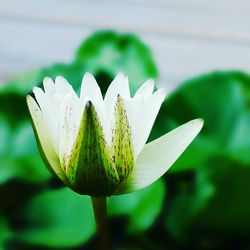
column 142, row 207
column 20, row 157
column 58, row 219
column 215, row 199
column 228, row 209
column 5, row 231
column 105, row 53
column 22, row 84
column 13, row 93
column 218, row 202
column 4, row 135
column 190, row 200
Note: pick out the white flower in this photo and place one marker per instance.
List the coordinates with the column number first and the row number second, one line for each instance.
column 97, row 146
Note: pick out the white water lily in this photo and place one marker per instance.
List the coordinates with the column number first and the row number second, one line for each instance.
column 97, row 146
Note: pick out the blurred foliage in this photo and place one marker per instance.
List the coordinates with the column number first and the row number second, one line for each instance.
column 106, row 53
column 142, row 206
column 210, row 202
column 201, row 203
column 57, row 218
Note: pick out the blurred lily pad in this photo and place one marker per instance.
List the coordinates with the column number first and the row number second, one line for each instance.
column 142, row 207
column 22, row 83
column 216, row 199
column 229, row 208
column 191, row 199
column 5, row 231
column 4, row 135
column 20, row 158
column 58, row 218
column 106, row 53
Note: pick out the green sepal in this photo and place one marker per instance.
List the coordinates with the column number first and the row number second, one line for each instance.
column 90, row 169
column 121, row 146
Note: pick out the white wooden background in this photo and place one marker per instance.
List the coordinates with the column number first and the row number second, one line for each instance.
column 187, row 37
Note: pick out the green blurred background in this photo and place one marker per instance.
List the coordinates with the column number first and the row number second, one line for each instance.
column 202, row 202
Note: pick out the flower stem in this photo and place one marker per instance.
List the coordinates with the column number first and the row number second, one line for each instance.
column 100, row 211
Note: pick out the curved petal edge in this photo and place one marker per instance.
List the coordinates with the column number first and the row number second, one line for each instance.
column 44, row 143
column 159, row 155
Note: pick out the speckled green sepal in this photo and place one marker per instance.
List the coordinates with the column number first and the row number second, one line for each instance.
column 121, row 146
column 90, row 169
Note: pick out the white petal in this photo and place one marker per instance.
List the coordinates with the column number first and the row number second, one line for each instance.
column 69, row 122
column 145, row 90
column 119, row 86
column 50, row 114
column 49, row 86
column 90, row 88
column 158, row 156
column 44, row 102
column 90, row 91
column 62, row 86
column 146, row 111
column 44, row 139
column 50, row 103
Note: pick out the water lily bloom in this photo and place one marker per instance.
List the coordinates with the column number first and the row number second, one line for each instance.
column 97, row 146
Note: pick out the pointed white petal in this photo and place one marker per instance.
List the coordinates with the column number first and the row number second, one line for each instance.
column 158, row 156
column 119, row 86
column 90, row 91
column 44, row 140
column 69, row 122
column 145, row 115
column 49, row 113
column 62, row 86
column 145, row 90
column 39, row 94
column 90, row 88
column 49, row 86
column 44, row 103
column 50, row 103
